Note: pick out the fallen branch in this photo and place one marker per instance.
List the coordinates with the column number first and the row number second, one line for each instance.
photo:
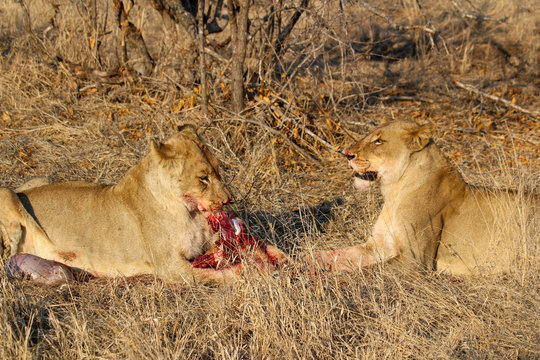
column 405, row 98
column 495, row 98
column 477, row 17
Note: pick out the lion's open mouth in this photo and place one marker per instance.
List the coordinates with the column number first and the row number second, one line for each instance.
column 368, row 175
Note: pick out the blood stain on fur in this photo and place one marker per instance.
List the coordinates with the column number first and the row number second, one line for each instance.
column 67, row 255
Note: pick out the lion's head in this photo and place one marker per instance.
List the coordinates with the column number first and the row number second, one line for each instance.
column 384, row 153
column 190, row 172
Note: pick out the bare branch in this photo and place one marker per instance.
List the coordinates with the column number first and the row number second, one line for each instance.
column 215, row 54
column 288, row 28
column 270, row 129
column 135, row 55
column 316, row 137
column 495, row 98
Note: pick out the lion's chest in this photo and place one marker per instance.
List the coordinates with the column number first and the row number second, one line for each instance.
column 192, row 237
column 390, row 229
column 384, row 231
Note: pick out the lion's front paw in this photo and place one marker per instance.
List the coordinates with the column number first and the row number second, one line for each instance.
column 331, row 261
column 319, row 261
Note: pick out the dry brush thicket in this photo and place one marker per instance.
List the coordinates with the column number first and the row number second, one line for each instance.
column 74, row 105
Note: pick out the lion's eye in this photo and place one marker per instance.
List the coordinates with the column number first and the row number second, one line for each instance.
column 378, row 141
column 204, row 179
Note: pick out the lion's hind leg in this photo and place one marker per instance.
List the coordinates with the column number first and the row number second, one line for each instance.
column 10, row 235
column 11, row 223
column 17, row 226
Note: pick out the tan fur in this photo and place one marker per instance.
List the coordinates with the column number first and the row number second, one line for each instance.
column 430, row 216
column 151, row 222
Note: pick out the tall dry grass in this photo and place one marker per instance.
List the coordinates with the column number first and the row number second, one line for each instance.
column 355, row 72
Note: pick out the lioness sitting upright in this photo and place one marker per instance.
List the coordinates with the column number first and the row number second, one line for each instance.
column 152, row 222
column 430, row 215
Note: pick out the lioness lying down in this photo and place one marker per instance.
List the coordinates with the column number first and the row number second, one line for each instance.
column 430, row 215
column 154, row 221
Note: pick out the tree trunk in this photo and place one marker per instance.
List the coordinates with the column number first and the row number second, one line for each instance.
column 202, row 61
column 238, row 12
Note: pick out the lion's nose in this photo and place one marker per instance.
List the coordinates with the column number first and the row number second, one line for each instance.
column 349, row 156
column 228, row 201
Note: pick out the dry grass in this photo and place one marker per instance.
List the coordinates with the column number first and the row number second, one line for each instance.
column 358, row 72
column 373, row 315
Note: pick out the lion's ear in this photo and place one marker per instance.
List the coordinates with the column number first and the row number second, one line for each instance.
column 189, row 131
column 187, row 127
column 163, row 151
column 420, row 137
